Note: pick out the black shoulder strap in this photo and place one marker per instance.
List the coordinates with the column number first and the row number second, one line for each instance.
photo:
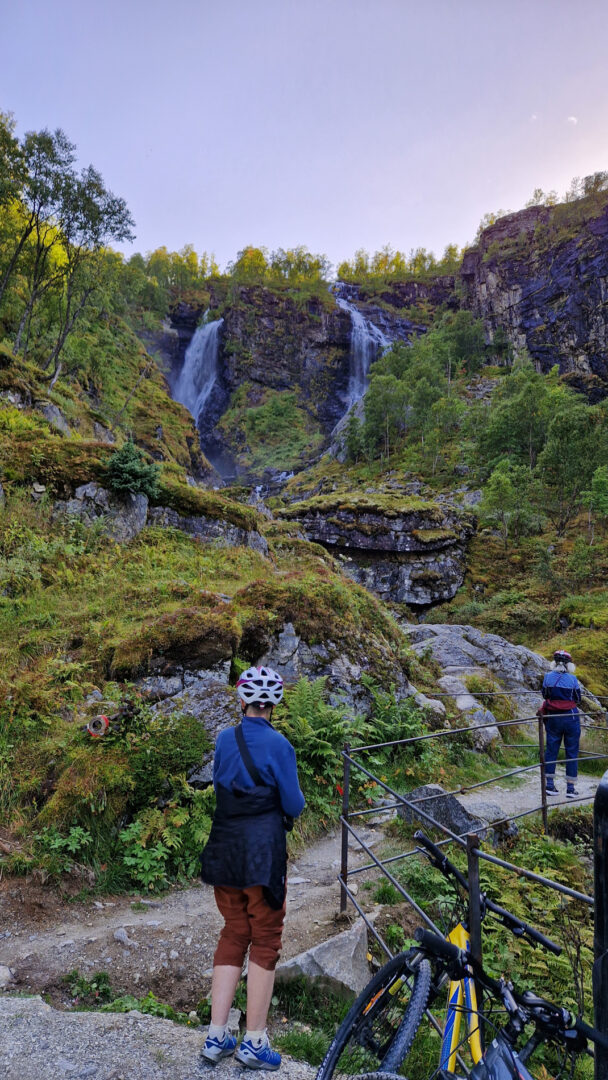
column 246, row 756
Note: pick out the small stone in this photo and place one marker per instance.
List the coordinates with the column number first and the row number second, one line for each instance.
column 121, row 936
column 174, row 955
column 6, row 976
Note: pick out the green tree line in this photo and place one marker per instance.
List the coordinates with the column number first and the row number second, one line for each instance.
column 55, row 228
column 539, row 449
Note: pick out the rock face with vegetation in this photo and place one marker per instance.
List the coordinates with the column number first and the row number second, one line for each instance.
column 273, row 341
column 539, row 280
column 406, row 550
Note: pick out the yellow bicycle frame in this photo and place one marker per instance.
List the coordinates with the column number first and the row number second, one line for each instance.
column 462, row 997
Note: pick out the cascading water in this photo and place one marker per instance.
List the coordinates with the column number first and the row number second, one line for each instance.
column 366, row 343
column 199, row 372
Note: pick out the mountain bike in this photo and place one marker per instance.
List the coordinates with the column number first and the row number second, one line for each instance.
column 378, row 1032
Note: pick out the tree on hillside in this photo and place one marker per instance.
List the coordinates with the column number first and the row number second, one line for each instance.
column 520, row 413
column 577, row 441
column 463, row 338
column 596, row 498
column 92, row 217
column 506, row 501
column 299, row 264
column 47, row 165
column 12, row 164
column 386, row 411
column 250, row 266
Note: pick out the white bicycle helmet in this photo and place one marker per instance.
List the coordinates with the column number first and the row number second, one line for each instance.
column 260, row 685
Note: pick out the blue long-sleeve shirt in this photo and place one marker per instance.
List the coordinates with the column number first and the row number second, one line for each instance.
column 561, row 689
column 273, row 756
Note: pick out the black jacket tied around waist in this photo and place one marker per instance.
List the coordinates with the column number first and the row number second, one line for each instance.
column 246, row 844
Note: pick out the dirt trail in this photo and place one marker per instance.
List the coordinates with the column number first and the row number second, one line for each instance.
column 525, row 795
column 164, row 945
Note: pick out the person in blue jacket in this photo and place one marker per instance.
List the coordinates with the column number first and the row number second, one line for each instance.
column 562, row 693
column 257, row 797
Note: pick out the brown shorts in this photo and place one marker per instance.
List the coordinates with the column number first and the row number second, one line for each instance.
column 249, row 920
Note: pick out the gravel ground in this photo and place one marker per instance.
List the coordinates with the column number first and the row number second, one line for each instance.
column 41, row 1043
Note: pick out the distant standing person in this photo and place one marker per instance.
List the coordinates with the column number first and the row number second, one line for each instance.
column 562, row 694
column 257, row 797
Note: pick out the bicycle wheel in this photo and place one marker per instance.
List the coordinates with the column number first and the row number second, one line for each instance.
column 378, row 1031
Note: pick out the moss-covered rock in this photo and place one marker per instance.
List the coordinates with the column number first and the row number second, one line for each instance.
column 188, row 638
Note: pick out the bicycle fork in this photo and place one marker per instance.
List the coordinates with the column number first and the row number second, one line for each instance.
column 462, row 997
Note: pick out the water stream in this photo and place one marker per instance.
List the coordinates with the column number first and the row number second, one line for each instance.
column 367, row 342
column 198, row 375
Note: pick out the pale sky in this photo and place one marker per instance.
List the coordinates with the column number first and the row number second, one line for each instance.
column 336, row 124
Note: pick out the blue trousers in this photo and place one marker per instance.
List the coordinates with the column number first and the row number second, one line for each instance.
column 568, row 728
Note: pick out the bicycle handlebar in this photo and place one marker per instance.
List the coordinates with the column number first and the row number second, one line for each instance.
column 440, row 946
column 556, row 1022
column 515, row 925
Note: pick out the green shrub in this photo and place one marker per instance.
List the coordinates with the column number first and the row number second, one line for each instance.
column 317, row 732
column 128, row 470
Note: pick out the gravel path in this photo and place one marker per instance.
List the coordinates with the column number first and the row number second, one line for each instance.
column 168, row 949
column 41, row 1043
column 526, row 796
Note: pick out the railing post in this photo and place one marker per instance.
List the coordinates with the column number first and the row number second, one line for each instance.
column 345, row 798
column 543, row 778
column 600, row 940
column 475, row 912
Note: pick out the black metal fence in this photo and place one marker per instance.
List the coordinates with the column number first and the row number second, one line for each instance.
column 421, row 808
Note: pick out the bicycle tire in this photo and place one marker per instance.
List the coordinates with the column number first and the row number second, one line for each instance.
column 378, row 1030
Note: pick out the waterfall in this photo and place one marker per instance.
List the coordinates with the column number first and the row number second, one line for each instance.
column 198, row 375
column 366, row 343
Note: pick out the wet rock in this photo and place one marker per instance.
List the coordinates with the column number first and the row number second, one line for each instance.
column 340, row 963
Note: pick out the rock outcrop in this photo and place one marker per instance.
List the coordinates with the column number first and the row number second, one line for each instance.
column 121, row 516
column 539, row 278
column 405, row 550
column 461, row 651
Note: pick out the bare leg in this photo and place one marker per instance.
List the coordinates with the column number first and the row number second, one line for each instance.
column 223, row 988
column 259, row 993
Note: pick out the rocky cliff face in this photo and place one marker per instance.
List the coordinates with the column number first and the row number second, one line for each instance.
column 405, row 550
column 541, row 277
column 270, row 340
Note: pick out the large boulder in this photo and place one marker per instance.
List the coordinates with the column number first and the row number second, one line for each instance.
column 122, row 516
column 444, row 809
column 339, row 963
column 293, row 658
column 461, row 650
